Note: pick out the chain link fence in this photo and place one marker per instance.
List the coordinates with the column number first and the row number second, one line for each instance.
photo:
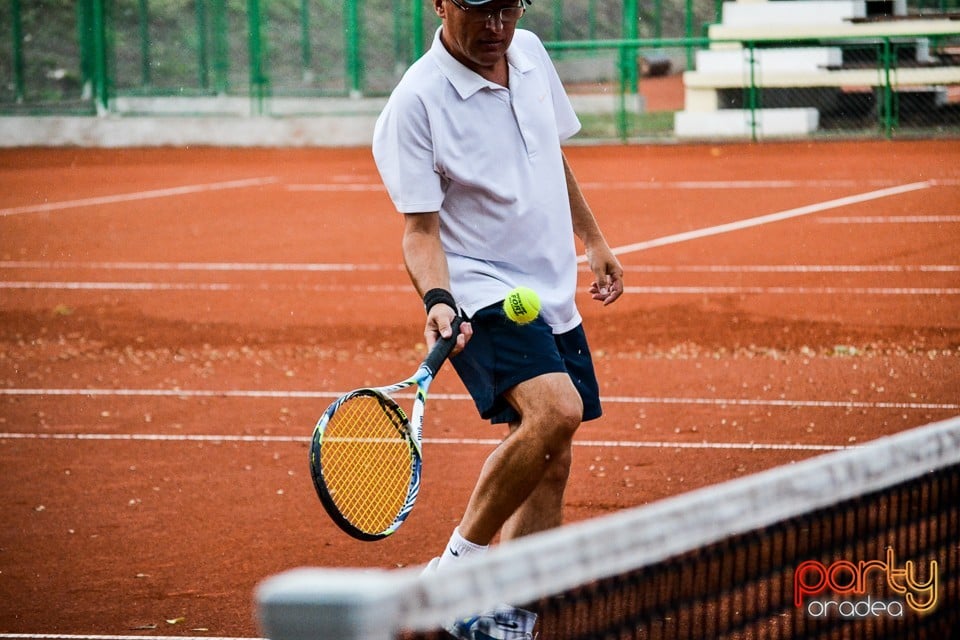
column 634, row 70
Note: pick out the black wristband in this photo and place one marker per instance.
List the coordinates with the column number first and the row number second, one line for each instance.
column 438, row 296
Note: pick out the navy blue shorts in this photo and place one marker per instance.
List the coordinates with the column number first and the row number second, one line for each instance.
column 502, row 354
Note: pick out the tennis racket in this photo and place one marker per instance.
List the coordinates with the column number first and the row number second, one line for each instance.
column 365, row 455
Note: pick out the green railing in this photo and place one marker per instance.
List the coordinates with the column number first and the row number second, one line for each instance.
column 886, row 99
column 905, row 96
column 262, row 47
column 96, row 56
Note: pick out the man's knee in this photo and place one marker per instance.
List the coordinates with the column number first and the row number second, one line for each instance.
column 566, row 413
column 551, row 407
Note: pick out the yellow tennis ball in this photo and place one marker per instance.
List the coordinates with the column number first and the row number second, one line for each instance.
column 522, row 305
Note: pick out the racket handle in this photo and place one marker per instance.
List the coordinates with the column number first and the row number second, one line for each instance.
column 441, row 350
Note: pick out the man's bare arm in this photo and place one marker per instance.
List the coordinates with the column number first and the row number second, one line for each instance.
column 607, row 271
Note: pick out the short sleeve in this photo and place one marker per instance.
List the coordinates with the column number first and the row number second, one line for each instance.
column 403, row 150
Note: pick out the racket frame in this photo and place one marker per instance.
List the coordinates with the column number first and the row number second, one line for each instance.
column 410, row 429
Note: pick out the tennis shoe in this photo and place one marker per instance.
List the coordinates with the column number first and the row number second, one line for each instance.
column 503, row 623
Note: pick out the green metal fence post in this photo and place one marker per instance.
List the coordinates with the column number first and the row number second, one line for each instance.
column 558, row 20
column 144, row 23
column 85, row 42
column 752, row 90
column 18, row 83
column 354, row 49
column 628, row 55
column 623, row 124
column 688, row 31
column 629, row 73
column 417, row 22
column 203, row 65
column 101, row 81
column 306, row 52
column 258, row 78
column 628, row 66
column 887, row 117
column 221, row 48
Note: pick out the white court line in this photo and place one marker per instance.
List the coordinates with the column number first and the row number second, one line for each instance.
column 653, row 444
column 198, row 286
column 317, row 267
column 125, row 286
column 370, row 186
column 658, row 184
column 485, row 442
column 63, row 636
column 199, row 266
column 818, row 291
column 790, row 268
column 755, row 184
column 735, row 184
column 648, row 290
column 332, row 395
column 641, row 184
column 139, row 195
column 768, row 218
column 889, row 220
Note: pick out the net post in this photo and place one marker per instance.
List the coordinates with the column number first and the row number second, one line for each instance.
column 320, row 604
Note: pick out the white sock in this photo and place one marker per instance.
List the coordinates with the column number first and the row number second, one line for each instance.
column 459, row 548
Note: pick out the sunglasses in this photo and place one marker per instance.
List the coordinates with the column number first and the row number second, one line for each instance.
column 507, row 15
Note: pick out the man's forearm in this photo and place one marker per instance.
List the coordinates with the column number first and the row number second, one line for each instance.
column 423, row 253
column 585, row 224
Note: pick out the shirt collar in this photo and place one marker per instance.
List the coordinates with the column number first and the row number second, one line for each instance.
column 466, row 81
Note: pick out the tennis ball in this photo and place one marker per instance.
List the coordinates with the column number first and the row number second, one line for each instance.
column 522, row 305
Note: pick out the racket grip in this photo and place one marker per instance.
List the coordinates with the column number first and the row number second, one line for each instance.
column 441, row 350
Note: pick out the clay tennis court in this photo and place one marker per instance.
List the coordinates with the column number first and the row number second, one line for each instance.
column 175, row 320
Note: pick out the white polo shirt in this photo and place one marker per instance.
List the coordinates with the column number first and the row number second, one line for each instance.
column 488, row 159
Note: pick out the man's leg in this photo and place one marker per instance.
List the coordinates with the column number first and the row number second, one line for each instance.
column 523, row 480
column 543, row 509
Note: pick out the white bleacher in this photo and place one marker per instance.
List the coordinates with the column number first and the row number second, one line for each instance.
column 733, row 65
column 929, row 26
column 764, row 14
column 727, row 65
column 767, row 61
column 737, row 123
column 826, row 78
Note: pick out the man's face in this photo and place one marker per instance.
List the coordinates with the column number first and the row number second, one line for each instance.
column 472, row 36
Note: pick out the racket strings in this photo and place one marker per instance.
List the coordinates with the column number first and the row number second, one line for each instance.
column 366, row 461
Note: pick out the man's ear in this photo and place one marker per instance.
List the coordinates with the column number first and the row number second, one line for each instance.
column 438, row 8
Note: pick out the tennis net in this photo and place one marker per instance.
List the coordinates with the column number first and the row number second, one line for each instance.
column 859, row 543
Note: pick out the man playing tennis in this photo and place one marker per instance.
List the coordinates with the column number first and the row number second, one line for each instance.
column 468, row 147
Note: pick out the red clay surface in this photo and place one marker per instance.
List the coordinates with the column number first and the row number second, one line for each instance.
column 164, row 354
